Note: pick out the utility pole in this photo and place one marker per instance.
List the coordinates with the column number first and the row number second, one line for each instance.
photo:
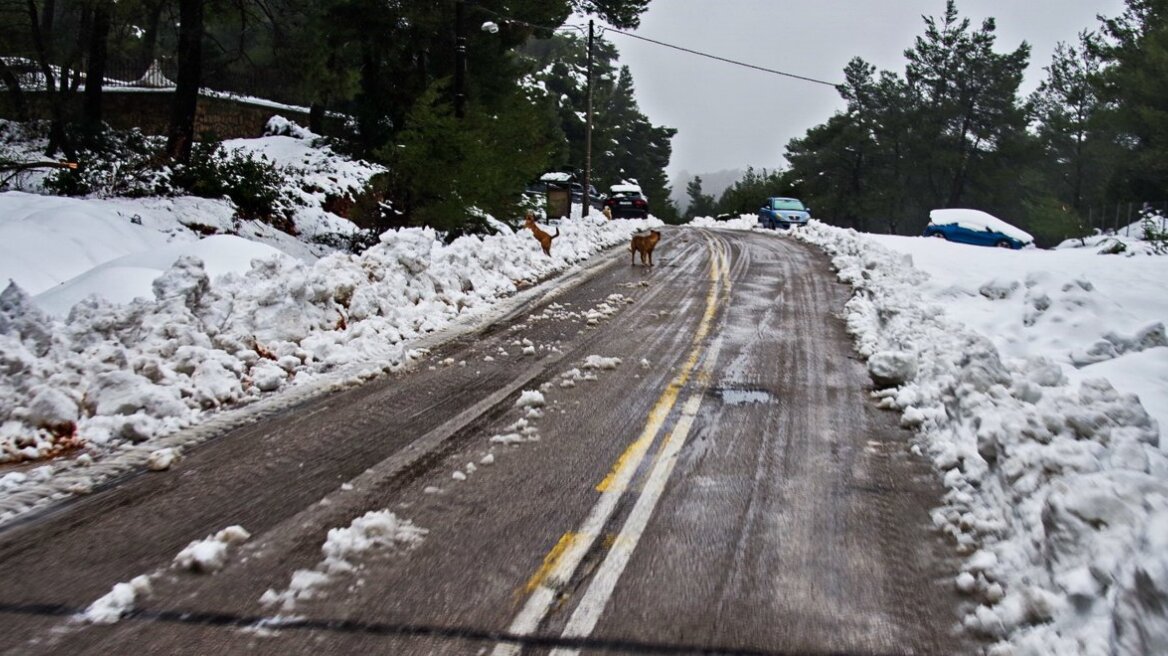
column 587, row 195
column 459, row 60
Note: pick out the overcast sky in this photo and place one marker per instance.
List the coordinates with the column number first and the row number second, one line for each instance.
column 729, row 117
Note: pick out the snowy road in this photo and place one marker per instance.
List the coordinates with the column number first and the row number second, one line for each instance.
column 726, row 486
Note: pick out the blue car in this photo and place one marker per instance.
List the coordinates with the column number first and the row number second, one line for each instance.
column 975, row 227
column 779, row 212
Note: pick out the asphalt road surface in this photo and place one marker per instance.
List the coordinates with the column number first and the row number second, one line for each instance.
column 728, row 487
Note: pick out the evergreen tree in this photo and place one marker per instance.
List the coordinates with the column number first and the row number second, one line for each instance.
column 968, row 102
column 1065, row 106
column 951, row 132
column 700, row 204
column 441, row 166
column 626, row 146
column 1134, row 86
column 747, row 193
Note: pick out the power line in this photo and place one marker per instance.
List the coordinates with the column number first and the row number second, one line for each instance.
column 723, row 59
column 691, row 51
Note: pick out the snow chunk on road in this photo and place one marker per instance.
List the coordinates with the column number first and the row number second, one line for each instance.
column 376, row 530
column 210, row 554
column 117, row 602
column 530, row 399
column 162, row 459
column 601, row 362
column 379, row 529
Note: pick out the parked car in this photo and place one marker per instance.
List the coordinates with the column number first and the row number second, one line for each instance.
column 782, row 212
column 975, row 227
column 594, row 196
column 627, row 201
column 540, row 188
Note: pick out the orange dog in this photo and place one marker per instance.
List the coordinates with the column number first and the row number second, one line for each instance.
column 544, row 239
column 644, row 244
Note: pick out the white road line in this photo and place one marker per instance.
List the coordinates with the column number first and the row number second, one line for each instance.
column 604, row 581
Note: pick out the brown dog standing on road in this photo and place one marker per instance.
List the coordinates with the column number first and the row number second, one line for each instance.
column 644, row 244
column 544, row 239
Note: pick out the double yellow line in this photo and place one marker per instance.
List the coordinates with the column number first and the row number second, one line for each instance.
column 562, row 561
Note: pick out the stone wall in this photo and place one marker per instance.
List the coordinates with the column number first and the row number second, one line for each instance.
column 149, row 111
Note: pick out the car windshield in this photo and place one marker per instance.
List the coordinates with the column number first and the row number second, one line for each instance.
column 786, row 204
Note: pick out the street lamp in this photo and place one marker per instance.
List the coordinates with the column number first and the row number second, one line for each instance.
column 459, row 60
column 587, row 191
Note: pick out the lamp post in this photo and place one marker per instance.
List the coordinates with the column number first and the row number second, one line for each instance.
column 586, row 196
column 459, row 60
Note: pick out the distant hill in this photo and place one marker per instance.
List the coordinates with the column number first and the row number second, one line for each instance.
column 712, row 183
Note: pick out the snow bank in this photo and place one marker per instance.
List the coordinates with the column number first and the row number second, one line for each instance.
column 1130, row 240
column 742, row 222
column 108, row 375
column 1057, row 489
column 46, row 240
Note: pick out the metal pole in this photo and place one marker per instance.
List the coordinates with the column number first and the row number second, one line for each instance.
column 586, row 195
column 459, row 60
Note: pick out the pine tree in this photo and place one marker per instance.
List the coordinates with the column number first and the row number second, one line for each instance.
column 700, row 204
column 1134, row 85
column 1067, row 106
column 968, row 98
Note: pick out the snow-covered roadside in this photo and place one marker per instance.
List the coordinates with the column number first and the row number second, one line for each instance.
column 110, row 376
column 1057, row 485
column 742, row 222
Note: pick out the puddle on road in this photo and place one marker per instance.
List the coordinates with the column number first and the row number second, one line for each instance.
column 744, row 396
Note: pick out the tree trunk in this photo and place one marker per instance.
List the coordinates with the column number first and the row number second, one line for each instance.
column 95, row 67
column 316, row 118
column 186, row 94
column 150, row 35
column 14, row 91
column 41, row 24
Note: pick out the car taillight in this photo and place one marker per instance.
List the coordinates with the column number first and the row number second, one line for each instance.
column 639, row 203
column 610, row 202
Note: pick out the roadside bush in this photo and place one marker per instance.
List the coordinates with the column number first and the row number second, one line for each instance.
column 112, row 163
column 252, row 184
column 356, row 242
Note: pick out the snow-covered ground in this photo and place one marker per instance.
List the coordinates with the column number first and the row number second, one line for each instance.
column 1036, row 380
column 120, row 324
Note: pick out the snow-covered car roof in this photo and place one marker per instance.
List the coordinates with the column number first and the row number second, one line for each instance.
column 625, row 189
column 978, row 220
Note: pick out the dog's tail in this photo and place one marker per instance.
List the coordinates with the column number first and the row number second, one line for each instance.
column 557, row 233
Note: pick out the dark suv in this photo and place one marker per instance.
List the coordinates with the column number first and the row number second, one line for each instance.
column 627, row 202
column 594, row 196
